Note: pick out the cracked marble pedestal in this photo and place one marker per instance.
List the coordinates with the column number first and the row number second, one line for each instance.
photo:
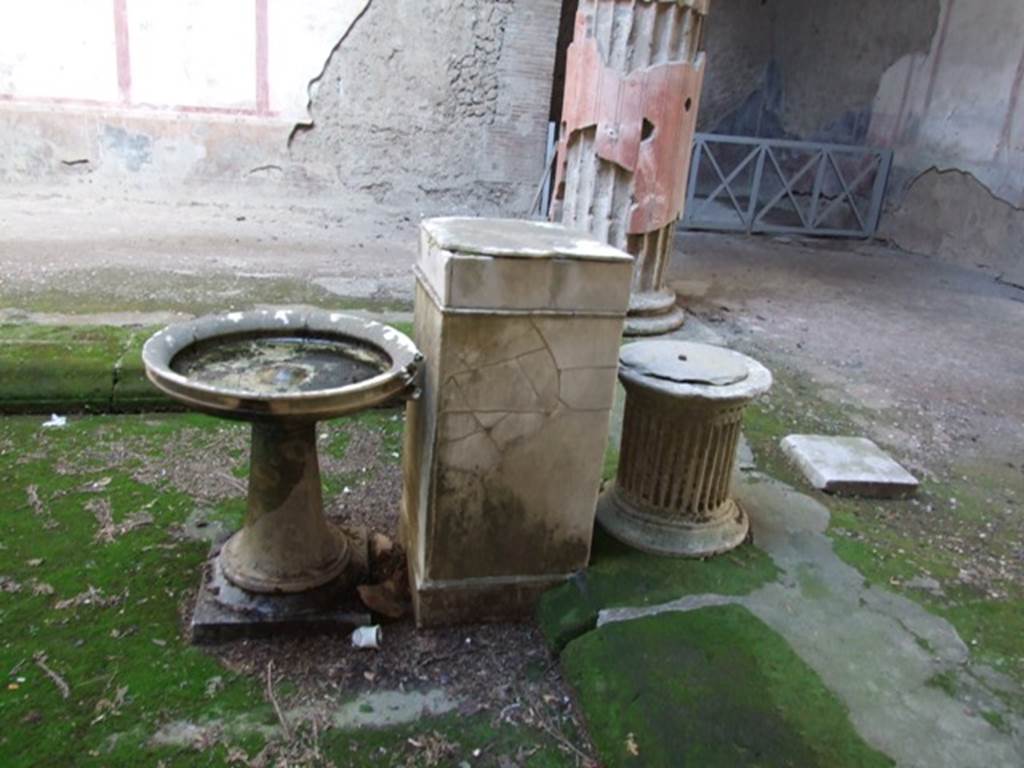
column 682, row 421
column 520, row 324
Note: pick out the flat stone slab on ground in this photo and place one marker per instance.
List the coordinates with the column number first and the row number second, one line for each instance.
column 852, row 466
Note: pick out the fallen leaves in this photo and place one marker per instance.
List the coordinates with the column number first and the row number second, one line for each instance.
column 631, row 746
column 109, row 530
column 96, row 486
column 90, row 596
column 432, row 748
column 389, row 597
column 32, row 492
column 109, row 707
column 40, row 660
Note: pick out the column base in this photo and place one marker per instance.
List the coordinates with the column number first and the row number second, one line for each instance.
column 654, row 325
column 480, row 600
column 652, row 313
column 241, row 565
column 728, row 528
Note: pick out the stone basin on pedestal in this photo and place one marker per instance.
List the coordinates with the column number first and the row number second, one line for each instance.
column 282, row 370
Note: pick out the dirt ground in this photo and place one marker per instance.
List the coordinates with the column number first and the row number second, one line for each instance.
column 935, row 349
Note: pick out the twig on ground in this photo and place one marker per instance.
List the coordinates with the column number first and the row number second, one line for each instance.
column 273, row 701
column 587, row 759
column 236, row 482
column 40, row 659
column 426, row 661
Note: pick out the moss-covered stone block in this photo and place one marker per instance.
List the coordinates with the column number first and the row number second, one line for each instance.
column 46, row 368
column 621, row 576
column 712, row 687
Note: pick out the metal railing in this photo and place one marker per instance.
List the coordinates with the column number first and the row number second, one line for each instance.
column 749, row 185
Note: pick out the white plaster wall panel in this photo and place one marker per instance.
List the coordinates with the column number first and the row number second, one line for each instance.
column 301, row 35
column 952, row 107
column 193, row 53
column 974, row 78
column 58, row 49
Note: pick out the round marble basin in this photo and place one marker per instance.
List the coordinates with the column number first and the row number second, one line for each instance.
column 283, row 370
column 283, row 363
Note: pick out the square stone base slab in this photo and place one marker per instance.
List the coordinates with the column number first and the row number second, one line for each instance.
column 223, row 612
column 478, row 601
column 849, row 466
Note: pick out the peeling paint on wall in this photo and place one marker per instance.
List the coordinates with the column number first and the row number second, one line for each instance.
column 954, row 217
column 351, row 13
column 441, row 104
column 958, row 105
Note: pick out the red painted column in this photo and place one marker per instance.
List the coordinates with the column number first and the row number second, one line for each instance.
column 633, row 80
column 124, row 62
column 262, row 59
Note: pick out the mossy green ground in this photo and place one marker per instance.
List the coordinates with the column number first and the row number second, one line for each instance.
column 119, row 644
column 708, row 688
column 75, row 369
column 135, row 644
column 142, row 291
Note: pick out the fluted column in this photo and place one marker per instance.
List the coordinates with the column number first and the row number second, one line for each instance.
column 633, row 79
column 681, row 427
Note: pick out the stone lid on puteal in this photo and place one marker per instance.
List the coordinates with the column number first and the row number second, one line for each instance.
column 689, row 369
column 517, row 239
column 508, row 265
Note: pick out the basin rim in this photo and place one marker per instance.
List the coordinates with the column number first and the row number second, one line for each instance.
column 400, row 377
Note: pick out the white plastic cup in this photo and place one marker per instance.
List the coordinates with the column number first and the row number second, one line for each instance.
column 366, row 637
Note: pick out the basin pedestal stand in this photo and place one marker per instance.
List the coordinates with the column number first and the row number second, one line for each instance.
column 684, row 411
column 288, row 568
column 287, row 545
column 521, row 323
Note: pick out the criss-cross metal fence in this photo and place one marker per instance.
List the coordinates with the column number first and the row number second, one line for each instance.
column 739, row 183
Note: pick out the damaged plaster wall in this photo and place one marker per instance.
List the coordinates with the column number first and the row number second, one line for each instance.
column 831, row 55
column 939, row 81
column 953, row 115
column 952, row 216
column 427, row 105
column 806, row 69
column 738, row 39
column 438, row 104
column 156, row 95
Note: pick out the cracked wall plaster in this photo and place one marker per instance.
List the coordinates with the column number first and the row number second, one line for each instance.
column 427, row 105
column 952, row 216
column 441, row 104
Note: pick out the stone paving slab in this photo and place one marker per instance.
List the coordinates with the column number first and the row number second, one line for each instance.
column 879, row 652
column 852, row 466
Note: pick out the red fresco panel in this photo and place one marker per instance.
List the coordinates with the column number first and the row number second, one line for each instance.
column 597, row 96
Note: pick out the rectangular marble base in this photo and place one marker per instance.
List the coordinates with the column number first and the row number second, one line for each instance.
column 223, row 612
